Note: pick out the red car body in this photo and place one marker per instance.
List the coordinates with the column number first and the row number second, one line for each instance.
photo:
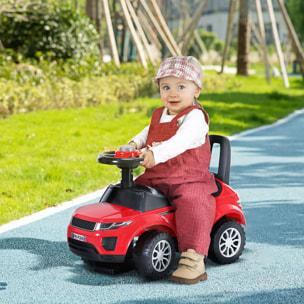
column 92, row 245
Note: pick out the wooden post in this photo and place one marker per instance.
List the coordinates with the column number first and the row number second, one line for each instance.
column 277, row 42
column 258, row 41
column 111, row 32
column 148, row 30
column 196, row 49
column 288, row 52
column 191, row 27
column 232, row 8
column 186, row 29
column 165, row 28
column 257, row 45
column 158, row 28
column 134, row 36
column 256, row 33
column 181, row 29
column 262, row 37
column 140, row 31
column 293, row 36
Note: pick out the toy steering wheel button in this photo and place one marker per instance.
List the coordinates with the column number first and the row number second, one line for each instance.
column 127, row 148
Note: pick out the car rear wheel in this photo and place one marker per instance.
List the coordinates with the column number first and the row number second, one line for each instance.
column 227, row 241
column 154, row 254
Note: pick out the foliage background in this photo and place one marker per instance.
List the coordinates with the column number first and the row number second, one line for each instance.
column 38, row 29
column 60, row 106
column 295, row 10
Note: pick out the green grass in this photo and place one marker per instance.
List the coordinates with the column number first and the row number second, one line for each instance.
column 49, row 157
column 251, row 103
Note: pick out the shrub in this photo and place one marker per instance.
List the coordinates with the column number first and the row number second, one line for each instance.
column 215, row 83
column 41, row 85
column 76, row 82
column 68, row 93
column 37, row 29
column 211, row 41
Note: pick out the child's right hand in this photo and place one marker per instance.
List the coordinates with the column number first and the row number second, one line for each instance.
column 149, row 161
column 133, row 143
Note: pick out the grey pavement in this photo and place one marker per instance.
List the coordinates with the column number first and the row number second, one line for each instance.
column 267, row 171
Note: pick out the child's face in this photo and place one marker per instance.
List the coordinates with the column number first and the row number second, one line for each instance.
column 177, row 94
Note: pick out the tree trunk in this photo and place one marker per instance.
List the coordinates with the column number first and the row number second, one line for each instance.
column 243, row 39
column 93, row 11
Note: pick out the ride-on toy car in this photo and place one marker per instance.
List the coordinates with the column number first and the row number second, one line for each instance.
column 135, row 225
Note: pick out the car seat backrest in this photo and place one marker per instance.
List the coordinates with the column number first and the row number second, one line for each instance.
column 223, row 172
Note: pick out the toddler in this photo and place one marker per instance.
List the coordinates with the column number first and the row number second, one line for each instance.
column 176, row 153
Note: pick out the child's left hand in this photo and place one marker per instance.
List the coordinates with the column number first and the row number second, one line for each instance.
column 149, row 160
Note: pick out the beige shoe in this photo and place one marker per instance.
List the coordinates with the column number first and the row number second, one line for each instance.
column 191, row 268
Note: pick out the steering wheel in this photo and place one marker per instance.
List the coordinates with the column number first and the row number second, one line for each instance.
column 126, row 164
column 109, row 158
column 125, row 157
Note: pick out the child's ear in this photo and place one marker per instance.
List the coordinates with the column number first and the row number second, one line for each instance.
column 197, row 92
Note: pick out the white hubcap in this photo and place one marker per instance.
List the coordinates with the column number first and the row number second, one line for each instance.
column 230, row 242
column 161, row 256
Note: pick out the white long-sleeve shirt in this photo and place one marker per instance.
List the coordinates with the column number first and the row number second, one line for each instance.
column 191, row 133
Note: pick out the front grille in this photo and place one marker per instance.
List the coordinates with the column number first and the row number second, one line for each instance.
column 82, row 224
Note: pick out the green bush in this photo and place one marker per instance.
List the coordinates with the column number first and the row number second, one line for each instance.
column 216, row 83
column 41, row 85
column 37, row 29
column 211, row 41
column 38, row 84
column 68, row 93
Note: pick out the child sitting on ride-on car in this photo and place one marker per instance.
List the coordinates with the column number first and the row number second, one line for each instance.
column 176, row 153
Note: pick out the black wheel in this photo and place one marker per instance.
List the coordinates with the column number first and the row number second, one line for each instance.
column 154, row 254
column 227, row 241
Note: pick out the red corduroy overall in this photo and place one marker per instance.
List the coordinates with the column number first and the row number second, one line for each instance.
column 186, row 182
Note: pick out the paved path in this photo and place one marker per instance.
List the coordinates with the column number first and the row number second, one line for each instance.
column 267, row 171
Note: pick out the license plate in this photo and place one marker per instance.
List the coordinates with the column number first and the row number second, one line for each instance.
column 79, row 237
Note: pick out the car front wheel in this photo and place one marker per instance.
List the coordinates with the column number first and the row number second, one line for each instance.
column 154, row 254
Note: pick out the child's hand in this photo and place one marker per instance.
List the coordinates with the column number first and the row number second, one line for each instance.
column 149, row 160
column 133, row 143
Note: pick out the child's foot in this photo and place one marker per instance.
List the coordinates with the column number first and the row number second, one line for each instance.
column 191, row 268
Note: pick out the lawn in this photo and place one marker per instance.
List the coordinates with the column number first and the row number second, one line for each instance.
column 49, row 157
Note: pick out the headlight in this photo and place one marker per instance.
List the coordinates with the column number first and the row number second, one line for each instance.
column 111, row 226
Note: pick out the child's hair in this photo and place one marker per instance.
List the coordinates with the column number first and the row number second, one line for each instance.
column 185, row 67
